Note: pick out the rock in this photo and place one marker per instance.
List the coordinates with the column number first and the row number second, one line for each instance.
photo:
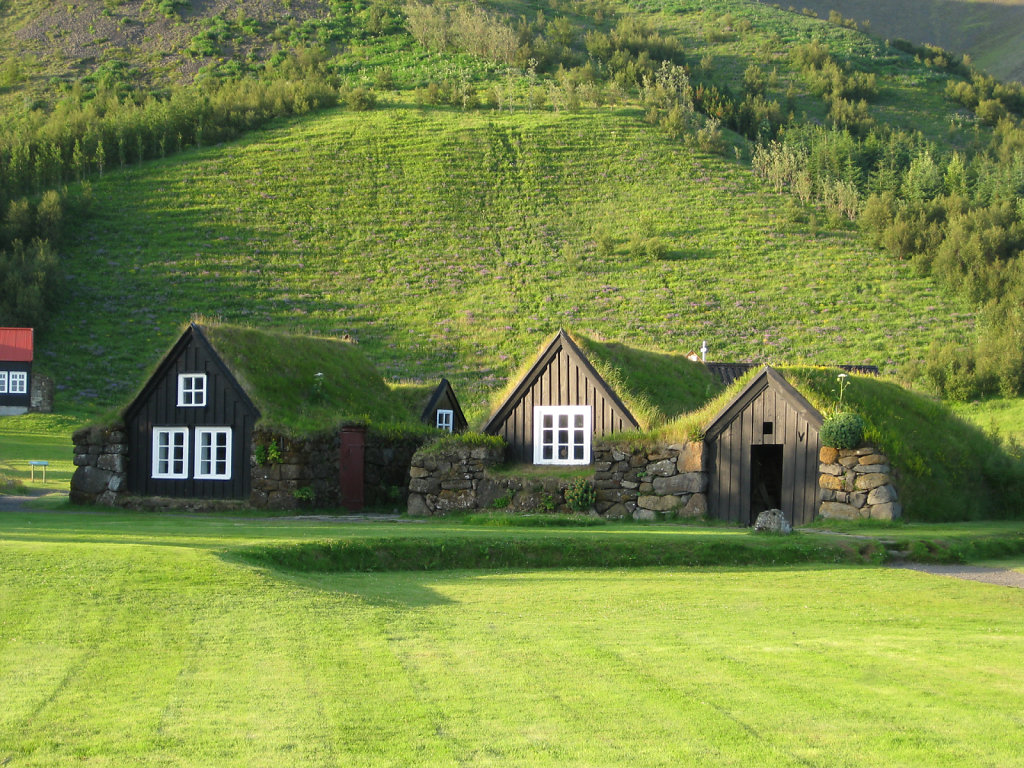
column 697, row 506
column 881, row 495
column 872, row 481
column 834, row 510
column 662, row 468
column 417, row 505
column 91, row 480
column 659, row 503
column 848, row 461
column 630, row 485
column 872, row 458
column 890, row 510
column 117, row 483
column 425, row 485
column 828, row 455
column 644, row 514
column 616, row 512
column 691, row 482
column 858, row 499
column 691, row 458
column 774, row 521
column 618, row 455
column 830, row 469
column 830, row 482
column 417, row 472
column 448, row 500
column 872, row 469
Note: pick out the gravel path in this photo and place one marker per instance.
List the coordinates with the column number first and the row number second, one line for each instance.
column 1002, row 576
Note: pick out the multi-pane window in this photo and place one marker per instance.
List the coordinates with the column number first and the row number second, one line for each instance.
column 561, row 434
column 3, row 382
column 192, row 390
column 19, row 383
column 170, row 453
column 445, row 419
column 213, row 453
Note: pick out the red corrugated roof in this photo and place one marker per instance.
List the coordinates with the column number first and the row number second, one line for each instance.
column 16, row 345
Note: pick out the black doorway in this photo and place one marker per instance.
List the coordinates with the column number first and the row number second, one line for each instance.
column 765, row 479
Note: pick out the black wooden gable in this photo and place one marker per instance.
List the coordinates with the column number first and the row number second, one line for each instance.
column 762, row 451
column 443, row 398
column 561, row 375
column 226, row 405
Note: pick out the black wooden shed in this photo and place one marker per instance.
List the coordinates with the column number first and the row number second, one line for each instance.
column 762, row 453
column 443, row 410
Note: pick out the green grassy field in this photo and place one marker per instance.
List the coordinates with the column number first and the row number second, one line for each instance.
column 135, row 641
column 37, row 437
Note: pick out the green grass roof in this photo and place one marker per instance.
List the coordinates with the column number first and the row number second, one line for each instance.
column 279, row 372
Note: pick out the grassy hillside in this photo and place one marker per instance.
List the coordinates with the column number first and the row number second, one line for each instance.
column 450, row 244
column 991, row 32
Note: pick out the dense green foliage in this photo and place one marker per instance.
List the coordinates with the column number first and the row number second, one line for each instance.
column 842, row 430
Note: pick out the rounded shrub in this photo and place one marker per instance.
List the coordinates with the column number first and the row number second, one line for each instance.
column 842, row 430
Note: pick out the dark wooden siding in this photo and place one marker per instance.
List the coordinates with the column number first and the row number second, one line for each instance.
column 225, row 406
column 447, row 402
column 565, row 380
column 8, row 400
column 730, row 459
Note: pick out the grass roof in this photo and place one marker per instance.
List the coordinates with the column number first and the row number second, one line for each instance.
column 279, row 373
column 655, row 386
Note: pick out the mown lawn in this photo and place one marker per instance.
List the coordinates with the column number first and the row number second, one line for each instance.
column 129, row 640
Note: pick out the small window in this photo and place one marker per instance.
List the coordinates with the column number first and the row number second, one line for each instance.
column 445, row 419
column 19, row 383
column 561, row 434
column 213, row 453
column 170, row 453
column 191, row 390
column 768, row 428
column 3, row 382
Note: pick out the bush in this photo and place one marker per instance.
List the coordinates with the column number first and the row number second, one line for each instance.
column 843, row 430
column 580, row 495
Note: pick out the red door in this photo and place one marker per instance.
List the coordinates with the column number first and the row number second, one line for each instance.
column 353, row 443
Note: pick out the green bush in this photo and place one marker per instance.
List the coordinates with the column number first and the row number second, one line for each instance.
column 580, row 495
column 843, row 430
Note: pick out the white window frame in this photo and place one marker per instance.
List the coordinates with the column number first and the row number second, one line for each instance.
column 565, row 430
column 445, row 419
column 19, row 383
column 163, row 467
column 3, row 382
column 205, row 462
column 191, row 390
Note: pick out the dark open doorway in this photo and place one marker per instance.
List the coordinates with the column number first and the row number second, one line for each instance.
column 765, row 479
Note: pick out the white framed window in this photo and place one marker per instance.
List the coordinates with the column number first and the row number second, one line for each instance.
column 3, row 382
column 445, row 419
column 561, row 434
column 213, row 453
column 191, row 390
column 19, row 383
column 170, row 453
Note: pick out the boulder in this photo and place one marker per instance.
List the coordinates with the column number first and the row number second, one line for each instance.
column 828, row 455
column 644, row 514
column 691, row 482
column 835, row 510
column 881, row 495
column 659, row 503
column 830, row 469
column 417, row 505
column 871, row 481
column 773, row 521
column 890, row 510
column 697, row 506
column 662, row 468
column 616, row 512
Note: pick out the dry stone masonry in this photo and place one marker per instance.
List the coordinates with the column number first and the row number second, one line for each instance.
column 645, row 484
column 100, row 458
column 857, row 483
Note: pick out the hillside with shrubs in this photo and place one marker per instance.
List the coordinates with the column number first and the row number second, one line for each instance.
column 904, row 151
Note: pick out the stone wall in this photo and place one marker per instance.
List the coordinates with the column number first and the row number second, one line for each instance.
column 100, row 457
column 857, row 483
column 314, row 463
column 658, row 483
column 40, row 394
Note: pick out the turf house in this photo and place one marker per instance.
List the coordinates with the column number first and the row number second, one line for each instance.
column 238, row 415
column 443, row 410
column 16, row 352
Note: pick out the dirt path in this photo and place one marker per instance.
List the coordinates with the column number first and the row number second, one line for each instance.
column 1002, row 576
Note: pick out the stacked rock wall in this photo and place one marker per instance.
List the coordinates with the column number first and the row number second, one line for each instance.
column 857, row 483
column 646, row 484
column 100, row 458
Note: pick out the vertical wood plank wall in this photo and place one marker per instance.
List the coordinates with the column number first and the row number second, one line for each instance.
column 223, row 408
column 730, row 460
column 562, row 382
